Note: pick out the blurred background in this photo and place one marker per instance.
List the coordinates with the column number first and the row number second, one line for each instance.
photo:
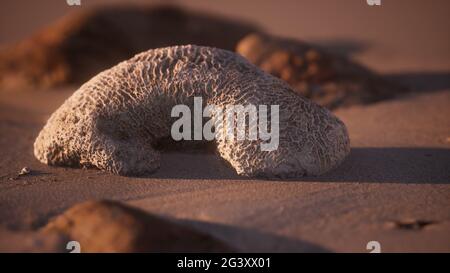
column 398, row 36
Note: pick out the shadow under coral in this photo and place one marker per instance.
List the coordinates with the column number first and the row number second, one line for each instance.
column 363, row 165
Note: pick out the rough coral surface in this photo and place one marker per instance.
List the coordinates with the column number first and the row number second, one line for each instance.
column 114, row 121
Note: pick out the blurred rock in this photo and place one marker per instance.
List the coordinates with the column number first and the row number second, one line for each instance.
column 329, row 80
column 107, row 226
column 84, row 43
column 31, row 241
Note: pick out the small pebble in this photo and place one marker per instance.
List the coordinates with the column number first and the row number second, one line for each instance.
column 24, row 171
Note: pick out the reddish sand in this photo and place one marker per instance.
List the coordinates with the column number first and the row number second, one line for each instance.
column 393, row 188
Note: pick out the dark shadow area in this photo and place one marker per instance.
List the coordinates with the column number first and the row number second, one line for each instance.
column 363, row 165
column 392, row 165
column 422, row 81
column 194, row 165
column 343, row 47
column 250, row 240
column 414, row 81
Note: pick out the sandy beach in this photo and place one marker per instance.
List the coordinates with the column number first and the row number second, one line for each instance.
column 393, row 187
